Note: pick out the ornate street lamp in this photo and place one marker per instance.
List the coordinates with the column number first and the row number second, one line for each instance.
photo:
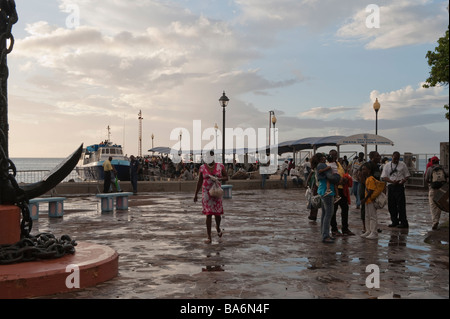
column 376, row 107
column 223, row 103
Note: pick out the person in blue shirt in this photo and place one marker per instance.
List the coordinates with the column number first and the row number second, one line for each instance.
column 327, row 200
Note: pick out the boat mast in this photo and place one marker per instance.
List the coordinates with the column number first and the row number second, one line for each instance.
column 109, row 135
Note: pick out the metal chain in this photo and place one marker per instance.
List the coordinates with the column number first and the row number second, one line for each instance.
column 41, row 246
column 28, row 248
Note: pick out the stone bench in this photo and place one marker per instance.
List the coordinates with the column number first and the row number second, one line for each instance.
column 107, row 201
column 55, row 206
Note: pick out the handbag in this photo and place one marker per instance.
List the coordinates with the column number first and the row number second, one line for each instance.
column 316, row 201
column 216, row 191
column 308, row 194
column 380, row 201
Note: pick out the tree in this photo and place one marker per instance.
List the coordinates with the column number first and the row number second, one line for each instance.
column 439, row 62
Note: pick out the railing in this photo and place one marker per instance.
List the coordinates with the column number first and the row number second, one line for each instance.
column 34, row 176
column 416, row 179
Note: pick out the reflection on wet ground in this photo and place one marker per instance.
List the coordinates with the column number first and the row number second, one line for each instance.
column 269, row 249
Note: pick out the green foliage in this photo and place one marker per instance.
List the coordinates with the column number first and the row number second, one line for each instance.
column 439, row 62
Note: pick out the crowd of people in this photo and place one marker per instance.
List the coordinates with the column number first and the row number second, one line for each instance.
column 373, row 183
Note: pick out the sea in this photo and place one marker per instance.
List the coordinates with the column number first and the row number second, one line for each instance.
column 31, row 164
column 32, row 170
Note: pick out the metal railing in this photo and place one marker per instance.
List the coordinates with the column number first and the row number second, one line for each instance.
column 34, row 176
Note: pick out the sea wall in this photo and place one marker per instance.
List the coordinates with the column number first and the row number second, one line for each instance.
column 75, row 188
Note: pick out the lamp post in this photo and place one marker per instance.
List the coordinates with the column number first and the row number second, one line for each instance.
column 270, row 123
column 153, row 136
column 216, row 127
column 181, row 135
column 376, row 107
column 223, row 103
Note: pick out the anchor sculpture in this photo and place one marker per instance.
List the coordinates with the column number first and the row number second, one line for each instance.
column 10, row 191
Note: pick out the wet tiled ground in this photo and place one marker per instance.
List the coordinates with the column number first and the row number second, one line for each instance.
column 269, row 250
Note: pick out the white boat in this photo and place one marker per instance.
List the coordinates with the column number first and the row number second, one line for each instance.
column 90, row 165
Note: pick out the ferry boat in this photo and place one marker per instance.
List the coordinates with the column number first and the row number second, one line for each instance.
column 90, row 165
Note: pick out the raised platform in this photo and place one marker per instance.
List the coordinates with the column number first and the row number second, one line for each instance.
column 90, row 265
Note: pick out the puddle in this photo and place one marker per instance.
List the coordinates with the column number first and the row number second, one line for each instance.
column 417, row 247
column 417, row 268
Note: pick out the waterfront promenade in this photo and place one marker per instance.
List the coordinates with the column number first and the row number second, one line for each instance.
column 270, row 250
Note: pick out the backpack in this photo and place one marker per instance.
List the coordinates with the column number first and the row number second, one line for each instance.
column 438, row 178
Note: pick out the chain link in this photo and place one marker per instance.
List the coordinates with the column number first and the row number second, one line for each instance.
column 41, row 246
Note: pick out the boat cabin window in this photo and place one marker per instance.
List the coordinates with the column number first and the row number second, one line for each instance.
column 112, row 151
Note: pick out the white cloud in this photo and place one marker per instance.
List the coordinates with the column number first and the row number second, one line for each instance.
column 313, row 14
column 401, row 23
column 324, row 112
column 408, row 102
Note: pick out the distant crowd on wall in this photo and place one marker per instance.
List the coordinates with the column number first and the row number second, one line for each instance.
column 163, row 166
column 151, row 166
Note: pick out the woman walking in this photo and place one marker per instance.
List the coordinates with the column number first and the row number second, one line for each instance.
column 209, row 175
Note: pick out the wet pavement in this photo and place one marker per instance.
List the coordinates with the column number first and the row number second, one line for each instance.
column 269, row 250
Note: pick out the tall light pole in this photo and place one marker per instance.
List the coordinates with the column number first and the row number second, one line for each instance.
column 223, row 103
column 140, row 118
column 153, row 136
column 181, row 135
column 216, row 127
column 376, row 107
column 272, row 122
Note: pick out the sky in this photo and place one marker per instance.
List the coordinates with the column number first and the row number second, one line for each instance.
column 79, row 66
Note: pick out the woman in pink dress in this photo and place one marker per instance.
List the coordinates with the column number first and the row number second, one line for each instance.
column 207, row 175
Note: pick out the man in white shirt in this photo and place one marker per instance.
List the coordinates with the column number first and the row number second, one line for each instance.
column 396, row 174
column 295, row 176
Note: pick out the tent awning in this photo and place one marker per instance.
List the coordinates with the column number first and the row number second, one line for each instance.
column 296, row 145
column 365, row 139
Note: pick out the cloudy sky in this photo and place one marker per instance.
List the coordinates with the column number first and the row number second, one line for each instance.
column 80, row 65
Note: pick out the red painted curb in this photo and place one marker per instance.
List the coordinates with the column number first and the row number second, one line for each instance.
column 90, row 265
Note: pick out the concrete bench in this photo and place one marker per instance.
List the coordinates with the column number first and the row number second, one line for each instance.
column 55, row 206
column 227, row 191
column 107, row 201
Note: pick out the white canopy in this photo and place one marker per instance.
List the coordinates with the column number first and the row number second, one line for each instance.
column 365, row 139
